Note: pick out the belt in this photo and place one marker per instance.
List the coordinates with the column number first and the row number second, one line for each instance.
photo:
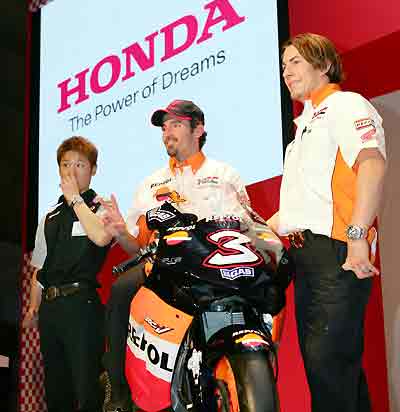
column 296, row 239
column 54, row 292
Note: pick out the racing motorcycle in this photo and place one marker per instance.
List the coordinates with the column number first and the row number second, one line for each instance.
column 201, row 328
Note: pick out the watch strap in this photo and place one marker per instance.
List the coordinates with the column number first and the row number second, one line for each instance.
column 76, row 200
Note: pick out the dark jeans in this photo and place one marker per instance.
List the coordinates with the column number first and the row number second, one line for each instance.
column 330, row 308
column 117, row 319
column 72, row 344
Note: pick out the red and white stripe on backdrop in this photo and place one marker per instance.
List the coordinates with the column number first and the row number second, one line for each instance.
column 35, row 5
column 31, row 373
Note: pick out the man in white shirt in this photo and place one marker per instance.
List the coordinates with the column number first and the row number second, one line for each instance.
column 193, row 183
column 331, row 187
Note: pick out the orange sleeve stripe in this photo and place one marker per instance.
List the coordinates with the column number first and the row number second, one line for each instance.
column 343, row 195
column 344, row 182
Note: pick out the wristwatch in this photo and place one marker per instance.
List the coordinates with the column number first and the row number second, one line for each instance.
column 76, row 200
column 355, row 232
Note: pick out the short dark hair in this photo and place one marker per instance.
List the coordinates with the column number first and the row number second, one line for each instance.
column 78, row 144
column 319, row 51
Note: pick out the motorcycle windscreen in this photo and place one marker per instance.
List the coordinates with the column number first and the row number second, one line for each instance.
column 155, row 333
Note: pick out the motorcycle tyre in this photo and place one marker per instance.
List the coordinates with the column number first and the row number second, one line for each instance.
column 253, row 382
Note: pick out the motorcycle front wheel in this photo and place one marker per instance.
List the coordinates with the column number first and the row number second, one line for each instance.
column 245, row 383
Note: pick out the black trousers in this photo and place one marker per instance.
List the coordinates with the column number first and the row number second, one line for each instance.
column 117, row 319
column 330, row 308
column 72, row 344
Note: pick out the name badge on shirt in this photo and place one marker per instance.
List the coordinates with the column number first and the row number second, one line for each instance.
column 77, row 229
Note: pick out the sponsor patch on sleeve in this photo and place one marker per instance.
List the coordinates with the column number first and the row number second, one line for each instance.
column 363, row 123
column 368, row 135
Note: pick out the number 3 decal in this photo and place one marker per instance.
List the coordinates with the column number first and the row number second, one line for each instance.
column 234, row 249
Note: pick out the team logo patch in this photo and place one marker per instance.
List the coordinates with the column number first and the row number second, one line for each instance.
column 368, row 135
column 177, row 237
column 165, row 194
column 319, row 114
column 156, row 184
column 240, row 272
column 252, row 340
column 159, row 329
column 363, row 123
column 159, row 215
column 208, row 180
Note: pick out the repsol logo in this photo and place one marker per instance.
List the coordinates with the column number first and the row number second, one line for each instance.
column 151, row 352
column 178, row 228
column 223, row 218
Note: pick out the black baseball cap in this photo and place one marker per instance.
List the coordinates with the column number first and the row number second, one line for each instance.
column 183, row 109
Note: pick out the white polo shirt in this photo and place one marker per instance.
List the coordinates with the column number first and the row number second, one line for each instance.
column 204, row 186
column 319, row 183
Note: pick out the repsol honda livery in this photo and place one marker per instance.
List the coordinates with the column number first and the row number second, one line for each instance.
column 200, row 331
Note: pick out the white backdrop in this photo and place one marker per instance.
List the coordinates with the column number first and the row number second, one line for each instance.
column 237, row 87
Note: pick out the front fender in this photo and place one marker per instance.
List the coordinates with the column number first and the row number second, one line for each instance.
column 239, row 339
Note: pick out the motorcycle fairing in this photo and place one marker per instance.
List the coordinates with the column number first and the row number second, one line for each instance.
column 156, row 331
column 216, row 252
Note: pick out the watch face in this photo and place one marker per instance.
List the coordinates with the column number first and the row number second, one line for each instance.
column 354, row 232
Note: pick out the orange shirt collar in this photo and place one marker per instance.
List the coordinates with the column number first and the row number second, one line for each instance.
column 317, row 96
column 195, row 161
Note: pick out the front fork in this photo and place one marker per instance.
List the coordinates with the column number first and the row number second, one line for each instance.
column 194, row 382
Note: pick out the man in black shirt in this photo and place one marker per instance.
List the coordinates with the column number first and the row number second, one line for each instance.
column 70, row 248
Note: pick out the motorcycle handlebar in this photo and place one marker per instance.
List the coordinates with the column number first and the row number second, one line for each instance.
column 132, row 262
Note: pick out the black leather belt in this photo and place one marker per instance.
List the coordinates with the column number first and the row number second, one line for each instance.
column 54, row 292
